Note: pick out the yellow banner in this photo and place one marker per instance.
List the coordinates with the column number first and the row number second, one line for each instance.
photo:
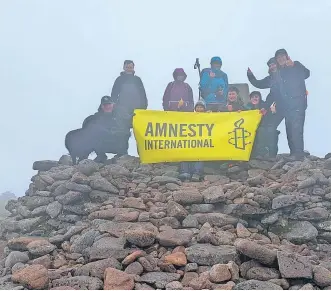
column 169, row 136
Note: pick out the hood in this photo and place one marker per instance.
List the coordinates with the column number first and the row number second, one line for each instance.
column 216, row 60
column 179, row 72
column 200, row 102
column 271, row 61
column 281, row 52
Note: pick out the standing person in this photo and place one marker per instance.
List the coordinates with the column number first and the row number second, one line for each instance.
column 266, row 139
column 271, row 81
column 129, row 94
column 292, row 103
column 214, row 85
column 178, row 95
column 193, row 170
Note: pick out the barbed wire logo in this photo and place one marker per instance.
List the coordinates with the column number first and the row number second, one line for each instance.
column 239, row 135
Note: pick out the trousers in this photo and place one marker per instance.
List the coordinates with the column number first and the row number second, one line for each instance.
column 191, row 167
column 294, row 124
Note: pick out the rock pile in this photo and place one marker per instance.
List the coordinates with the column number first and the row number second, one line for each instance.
column 259, row 225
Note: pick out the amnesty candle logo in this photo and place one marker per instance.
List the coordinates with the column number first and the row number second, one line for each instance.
column 239, row 136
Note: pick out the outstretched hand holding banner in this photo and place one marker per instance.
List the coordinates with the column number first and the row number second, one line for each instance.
column 169, row 136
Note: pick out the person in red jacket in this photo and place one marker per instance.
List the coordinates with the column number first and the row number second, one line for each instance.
column 178, row 95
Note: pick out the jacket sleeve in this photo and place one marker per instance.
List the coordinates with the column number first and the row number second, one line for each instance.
column 226, row 87
column 269, row 100
column 303, row 69
column 205, row 81
column 166, row 97
column 261, row 84
column 115, row 92
column 190, row 106
column 144, row 101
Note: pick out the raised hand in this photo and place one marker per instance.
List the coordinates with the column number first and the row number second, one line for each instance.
column 273, row 108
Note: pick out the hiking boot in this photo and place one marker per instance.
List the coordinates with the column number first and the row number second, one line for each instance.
column 101, row 158
column 195, row 178
column 184, row 176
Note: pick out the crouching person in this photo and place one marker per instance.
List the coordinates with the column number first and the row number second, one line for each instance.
column 100, row 133
column 193, row 170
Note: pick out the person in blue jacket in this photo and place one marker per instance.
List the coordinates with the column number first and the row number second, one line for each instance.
column 214, row 85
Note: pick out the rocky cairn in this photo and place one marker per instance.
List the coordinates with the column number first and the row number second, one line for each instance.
column 258, row 225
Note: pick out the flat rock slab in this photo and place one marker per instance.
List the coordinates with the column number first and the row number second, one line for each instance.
column 292, row 265
column 118, row 229
column 21, row 243
column 175, row 237
column 159, row 278
column 108, row 247
column 44, row 165
column 216, row 219
column 188, row 196
column 209, row 255
column 301, row 232
column 288, row 200
column 256, row 251
column 257, row 285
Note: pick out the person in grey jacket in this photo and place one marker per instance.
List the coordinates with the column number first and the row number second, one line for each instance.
column 129, row 93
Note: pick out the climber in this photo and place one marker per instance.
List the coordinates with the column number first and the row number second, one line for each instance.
column 255, row 101
column 292, row 103
column 193, row 170
column 214, row 85
column 101, row 133
column 129, row 94
column 263, row 149
column 234, row 101
column 270, row 81
column 178, row 95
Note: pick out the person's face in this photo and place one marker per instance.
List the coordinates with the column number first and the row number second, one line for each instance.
column 180, row 78
column 129, row 68
column 199, row 108
column 255, row 99
column 107, row 107
column 216, row 66
column 281, row 60
column 232, row 96
column 273, row 67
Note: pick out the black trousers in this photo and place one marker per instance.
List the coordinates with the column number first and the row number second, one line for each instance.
column 294, row 123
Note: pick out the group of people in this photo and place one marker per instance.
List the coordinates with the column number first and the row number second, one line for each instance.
column 108, row 130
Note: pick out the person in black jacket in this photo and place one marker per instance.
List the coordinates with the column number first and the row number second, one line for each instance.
column 128, row 92
column 268, row 82
column 292, row 103
column 101, row 133
column 288, row 95
column 266, row 140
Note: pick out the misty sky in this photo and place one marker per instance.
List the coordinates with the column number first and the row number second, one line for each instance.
column 59, row 57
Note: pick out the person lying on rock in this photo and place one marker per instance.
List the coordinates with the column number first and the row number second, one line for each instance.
column 100, row 133
column 193, row 170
